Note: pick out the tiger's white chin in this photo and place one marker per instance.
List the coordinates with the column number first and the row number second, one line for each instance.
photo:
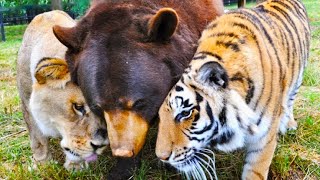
column 200, row 165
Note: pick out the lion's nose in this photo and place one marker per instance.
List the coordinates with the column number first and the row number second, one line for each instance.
column 95, row 146
column 101, row 133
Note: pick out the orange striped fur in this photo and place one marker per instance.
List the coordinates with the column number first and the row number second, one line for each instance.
column 238, row 91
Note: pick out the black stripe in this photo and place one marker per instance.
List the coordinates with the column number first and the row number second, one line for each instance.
column 43, row 60
column 261, row 14
column 199, row 57
column 305, row 20
column 209, row 111
column 301, row 7
column 289, row 20
column 53, row 64
column 182, row 79
column 211, row 26
column 229, row 34
column 196, row 118
column 192, row 138
column 186, row 103
column 211, row 54
column 179, row 88
column 262, row 113
column 250, row 91
column 222, row 115
column 233, row 46
column 300, row 16
column 242, row 26
column 225, row 137
column 262, row 9
column 237, row 77
column 254, row 151
column 199, row 98
column 266, row 34
column 259, row 26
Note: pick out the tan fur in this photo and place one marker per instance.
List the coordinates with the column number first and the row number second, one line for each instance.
column 49, row 98
column 131, row 131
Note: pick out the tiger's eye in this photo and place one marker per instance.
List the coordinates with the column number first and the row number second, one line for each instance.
column 185, row 113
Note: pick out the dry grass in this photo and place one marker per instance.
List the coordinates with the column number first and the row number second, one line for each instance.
column 297, row 155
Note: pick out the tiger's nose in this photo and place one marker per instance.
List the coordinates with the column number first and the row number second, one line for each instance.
column 163, row 155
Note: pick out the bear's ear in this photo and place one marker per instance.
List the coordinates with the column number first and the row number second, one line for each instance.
column 71, row 37
column 53, row 72
column 163, row 24
column 213, row 74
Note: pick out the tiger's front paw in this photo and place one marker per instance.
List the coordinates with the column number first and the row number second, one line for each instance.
column 75, row 165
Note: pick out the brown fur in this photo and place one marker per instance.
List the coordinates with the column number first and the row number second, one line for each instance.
column 137, row 51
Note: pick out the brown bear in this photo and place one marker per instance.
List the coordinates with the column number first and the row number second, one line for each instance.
column 126, row 55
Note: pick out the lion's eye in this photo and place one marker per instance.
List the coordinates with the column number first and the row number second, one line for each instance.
column 183, row 115
column 79, row 109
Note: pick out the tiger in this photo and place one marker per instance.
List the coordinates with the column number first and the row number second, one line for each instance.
column 238, row 90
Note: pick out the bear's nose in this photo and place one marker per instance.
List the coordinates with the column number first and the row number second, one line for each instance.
column 123, row 153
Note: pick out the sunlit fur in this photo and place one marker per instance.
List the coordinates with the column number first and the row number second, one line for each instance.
column 239, row 89
column 52, row 105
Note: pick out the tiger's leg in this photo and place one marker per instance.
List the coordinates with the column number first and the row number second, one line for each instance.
column 39, row 143
column 292, row 124
column 259, row 155
column 287, row 121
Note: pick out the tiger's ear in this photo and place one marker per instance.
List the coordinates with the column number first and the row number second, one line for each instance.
column 213, row 74
column 163, row 24
column 52, row 72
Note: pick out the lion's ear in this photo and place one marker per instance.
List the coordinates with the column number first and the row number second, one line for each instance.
column 163, row 24
column 53, row 72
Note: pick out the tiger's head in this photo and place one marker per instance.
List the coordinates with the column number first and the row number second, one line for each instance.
column 202, row 110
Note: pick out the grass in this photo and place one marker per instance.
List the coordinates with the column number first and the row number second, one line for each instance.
column 297, row 155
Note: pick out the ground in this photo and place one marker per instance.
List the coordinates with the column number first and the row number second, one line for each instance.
column 297, row 155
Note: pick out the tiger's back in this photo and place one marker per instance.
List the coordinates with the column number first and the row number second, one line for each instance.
column 248, row 67
column 279, row 32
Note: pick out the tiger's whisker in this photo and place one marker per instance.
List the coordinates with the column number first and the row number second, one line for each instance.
column 206, row 168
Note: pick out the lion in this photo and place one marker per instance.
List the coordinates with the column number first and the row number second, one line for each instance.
column 52, row 105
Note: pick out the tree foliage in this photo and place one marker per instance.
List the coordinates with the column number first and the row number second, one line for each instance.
column 78, row 7
column 15, row 3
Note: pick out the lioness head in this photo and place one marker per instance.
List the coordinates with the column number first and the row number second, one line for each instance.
column 60, row 109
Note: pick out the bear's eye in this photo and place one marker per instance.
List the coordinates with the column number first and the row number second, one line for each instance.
column 79, row 109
